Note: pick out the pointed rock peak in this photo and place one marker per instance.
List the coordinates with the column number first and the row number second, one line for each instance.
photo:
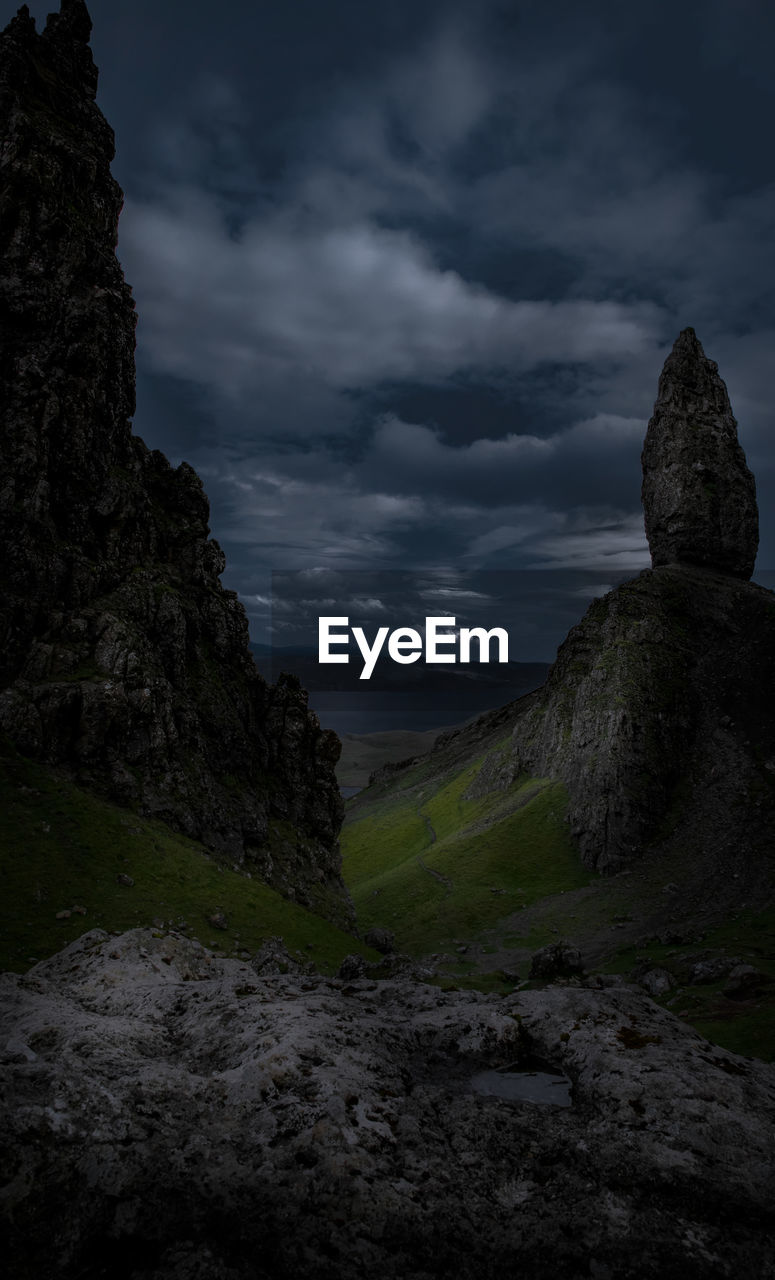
column 687, row 340
column 72, row 21
column 699, row 498
column 22, row 22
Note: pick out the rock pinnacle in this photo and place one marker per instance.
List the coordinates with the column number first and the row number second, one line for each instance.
column 102, row 538
column 699, row 497
column 73, row 19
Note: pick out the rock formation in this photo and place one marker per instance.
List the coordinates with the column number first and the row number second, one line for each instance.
column 121, row 655
column 170, row 1116
column 659, row 712
column 659, row 716
column 699, row 498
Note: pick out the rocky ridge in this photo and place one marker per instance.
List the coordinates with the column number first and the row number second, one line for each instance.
column 122, row 658
column 304, row 1126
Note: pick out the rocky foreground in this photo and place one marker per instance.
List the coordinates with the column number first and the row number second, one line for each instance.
column 169, row 1115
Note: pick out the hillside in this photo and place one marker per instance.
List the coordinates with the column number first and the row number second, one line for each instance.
column 73, row 862
column 473, row 883
column 628, row 805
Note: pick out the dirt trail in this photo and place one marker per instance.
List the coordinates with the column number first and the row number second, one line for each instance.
column 437, row 875
column 428, row 824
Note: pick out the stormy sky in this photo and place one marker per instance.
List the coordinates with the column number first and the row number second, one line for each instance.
column 406, row 274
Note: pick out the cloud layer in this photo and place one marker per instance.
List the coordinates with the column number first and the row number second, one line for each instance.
column 522, row 213
column 352, row 306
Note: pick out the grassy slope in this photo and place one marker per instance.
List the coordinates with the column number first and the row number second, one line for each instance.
column 506, row 881
column 437, row 867
column 746, row 1027
column 61, row 847
column 501, row 879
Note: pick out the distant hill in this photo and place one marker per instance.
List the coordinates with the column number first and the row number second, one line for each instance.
column 507, row 679
column 398, row 700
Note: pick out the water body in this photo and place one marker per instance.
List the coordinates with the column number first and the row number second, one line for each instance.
column 546, row 1087
column 379, row 712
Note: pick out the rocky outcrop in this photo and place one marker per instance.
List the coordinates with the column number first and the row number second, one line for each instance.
column 659, row 712
column 170, row 1116
column 659, row 717
column 121, row 655
column 699, row 498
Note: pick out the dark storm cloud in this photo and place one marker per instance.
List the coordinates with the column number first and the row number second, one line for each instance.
column 406, row 275
column 508, row 468
column 349, row 305
column 535, row 609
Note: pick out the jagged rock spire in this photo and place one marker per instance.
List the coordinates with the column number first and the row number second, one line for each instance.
column 699, row 497
column 101, row 538
column 59, row 59
column 72, row 20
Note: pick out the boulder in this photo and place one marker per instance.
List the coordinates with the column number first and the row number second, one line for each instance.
column 167, row 1114
column 656, row 981
column 381, row 940
column 352, row 968
column 745, row 982
column 558, row 960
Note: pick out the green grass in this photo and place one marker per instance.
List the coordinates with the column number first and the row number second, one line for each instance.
column 742, row 1026
column 363, row 754
column 750, row 1031
column 491, row 855
column 61, row 847
column 515, row 842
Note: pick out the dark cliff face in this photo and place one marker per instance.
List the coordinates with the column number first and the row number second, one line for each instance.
column 121, row 655
column 659, row 712
column 659, row 716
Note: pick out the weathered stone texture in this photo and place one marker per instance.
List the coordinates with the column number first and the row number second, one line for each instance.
column 699, row 498
column 121, row 655
column 659, row 717
column 171, row 1116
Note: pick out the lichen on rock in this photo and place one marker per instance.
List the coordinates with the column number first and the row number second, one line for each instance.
column 330, row 1128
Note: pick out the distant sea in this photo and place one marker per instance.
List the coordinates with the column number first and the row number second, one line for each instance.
column 377, row 712
column 409, row 698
